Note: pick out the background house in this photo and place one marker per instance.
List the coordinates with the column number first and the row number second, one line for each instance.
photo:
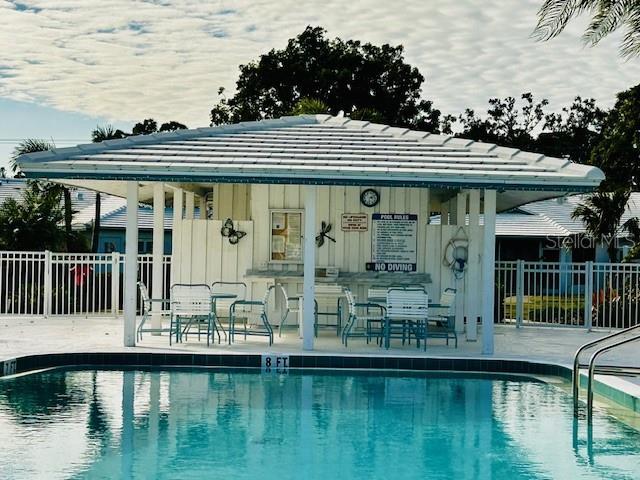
column 113, row 215
column 545, row 231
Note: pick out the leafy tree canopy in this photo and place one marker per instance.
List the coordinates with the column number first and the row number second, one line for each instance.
column 147, row 126
column 617, row 151
column 33, row 222
column 347, row 76
column 572, row 133
column 506, row 123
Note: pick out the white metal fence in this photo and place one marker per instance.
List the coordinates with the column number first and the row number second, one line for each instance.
column 586, row 295
column 602, row 295
column 46, row 283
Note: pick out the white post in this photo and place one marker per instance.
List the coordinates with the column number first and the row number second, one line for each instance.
column 519, row 292
column 115, row 283
column 308, row 290
column 157, row 264
column 47, row 302
column 131, row 265
column 488, row 270
column 203, row 207
column 473, row 279
column 176, row 235
column 461, row 216
column 190, row 205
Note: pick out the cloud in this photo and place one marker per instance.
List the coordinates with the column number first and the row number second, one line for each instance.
column 127, row 60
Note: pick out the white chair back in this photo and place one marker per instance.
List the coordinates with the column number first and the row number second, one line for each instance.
column 288, row 304
column 327, row 295
column 190, row 300
column 144, row 296
column 377, row 292
column 448, row 299
column 239, row 289
column 351, row 301
column 407, row 304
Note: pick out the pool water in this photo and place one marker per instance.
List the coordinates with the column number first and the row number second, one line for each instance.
column 247, row 425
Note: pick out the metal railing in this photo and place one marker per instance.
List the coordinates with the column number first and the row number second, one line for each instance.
column 588, row 295
column 49, row 284
column 632, row 334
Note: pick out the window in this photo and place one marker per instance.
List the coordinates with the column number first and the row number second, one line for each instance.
column 285, row 245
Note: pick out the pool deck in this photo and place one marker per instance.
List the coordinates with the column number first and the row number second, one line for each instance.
column 21, row 336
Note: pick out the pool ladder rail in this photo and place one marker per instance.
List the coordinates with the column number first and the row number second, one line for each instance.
column 620, row 338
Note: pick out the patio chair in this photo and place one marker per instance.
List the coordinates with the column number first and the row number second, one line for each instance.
column 372, row 323
column 407, row 313
column 291, row 305
column 239, row 309
column 327, row 296
column 191, row 303
column 147, row 312
column 442, row 323
column 221, row 306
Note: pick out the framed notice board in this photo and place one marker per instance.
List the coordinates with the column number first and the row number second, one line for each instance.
column 394, row 242
column 285, row 241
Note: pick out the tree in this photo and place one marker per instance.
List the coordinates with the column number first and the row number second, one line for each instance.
column 505, row 123
column 617, row 151
column 32, row 224
column 32, row 145
column 573, row 133
column 601, row 214
column 347, row 76
column 309, row 106
column 145, row 127
column 106, row 132
column 171, row 126
column 607, row 16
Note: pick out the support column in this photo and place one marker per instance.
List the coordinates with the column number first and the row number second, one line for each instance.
column 157, row 266
column 460, row 219
column 488, row 270
column 308, row 290
column 131, row 265
column 176, row 235
column 202, row 204
column 190, row 205
column 473, row 279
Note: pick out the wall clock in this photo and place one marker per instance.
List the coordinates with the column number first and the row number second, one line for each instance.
column 369, row 197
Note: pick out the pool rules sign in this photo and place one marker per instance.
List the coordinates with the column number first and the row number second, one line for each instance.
column 394, row 242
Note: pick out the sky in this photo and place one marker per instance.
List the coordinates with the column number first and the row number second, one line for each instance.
column 69, row 65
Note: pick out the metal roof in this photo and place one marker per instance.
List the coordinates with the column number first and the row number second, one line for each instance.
column 519, row 225
column 559, row 211
column 314, row 149
column 117, row 219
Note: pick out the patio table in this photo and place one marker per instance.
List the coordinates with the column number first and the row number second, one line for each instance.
column 319, row 293
column 214, row 298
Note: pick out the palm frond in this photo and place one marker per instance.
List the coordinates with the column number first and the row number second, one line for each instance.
column 29, row 145
column 553, row 16
column 630, row 46
column 608, row 17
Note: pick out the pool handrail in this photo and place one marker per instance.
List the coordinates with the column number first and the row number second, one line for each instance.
column 592, row 369
column 575, row 378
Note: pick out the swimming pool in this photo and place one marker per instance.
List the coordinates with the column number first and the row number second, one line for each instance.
column 235, row 424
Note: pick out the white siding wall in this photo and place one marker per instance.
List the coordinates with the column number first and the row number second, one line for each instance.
column 206, row 256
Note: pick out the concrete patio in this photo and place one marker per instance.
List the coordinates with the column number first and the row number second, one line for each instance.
column 24, row 336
